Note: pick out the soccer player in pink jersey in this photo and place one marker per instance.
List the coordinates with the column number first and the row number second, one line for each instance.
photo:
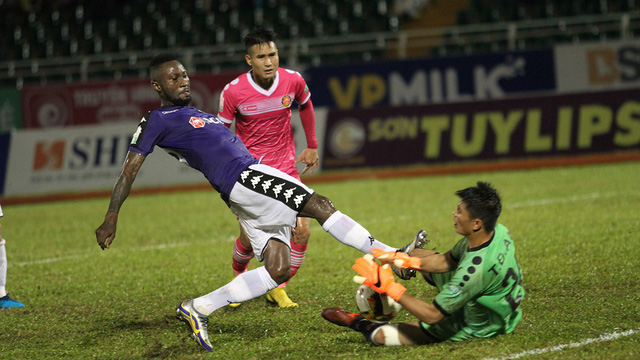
column 260, row 102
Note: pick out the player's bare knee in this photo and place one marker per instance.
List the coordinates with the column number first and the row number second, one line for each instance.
column 318, row 207
column 325, row 204
column 280, row 275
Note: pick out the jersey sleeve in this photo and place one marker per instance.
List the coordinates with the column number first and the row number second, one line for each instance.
column 465, row 285
column 457, row 251
column 302, row 90
column 228, row 104
column 147, row 135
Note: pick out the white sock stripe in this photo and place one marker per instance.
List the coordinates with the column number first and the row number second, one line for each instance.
column 243, row 254
column 239, row 252
column 242, row 257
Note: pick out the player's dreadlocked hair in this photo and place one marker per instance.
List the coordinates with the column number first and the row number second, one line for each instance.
column 483, row 202
column 259, row 36
column 158, row 60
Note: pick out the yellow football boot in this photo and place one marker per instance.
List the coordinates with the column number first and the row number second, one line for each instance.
column 279, row 297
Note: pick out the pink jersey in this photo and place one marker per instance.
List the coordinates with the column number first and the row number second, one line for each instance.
column 263, row 117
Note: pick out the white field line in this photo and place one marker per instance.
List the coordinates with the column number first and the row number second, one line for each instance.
column 567, row 199
column 84, row 256
column 532, row 203
column 315, row 226
column 602, row 338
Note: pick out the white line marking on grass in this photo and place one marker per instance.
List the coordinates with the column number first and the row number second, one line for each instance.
column 400, row 217
column 566, row 199
column 601, row 338
column 50, row 260
column 84, row 256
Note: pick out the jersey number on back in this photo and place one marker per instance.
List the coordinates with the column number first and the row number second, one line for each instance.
column 512, row 276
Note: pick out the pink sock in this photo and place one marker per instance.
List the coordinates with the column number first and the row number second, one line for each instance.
column 298, row 253
column 241, row 258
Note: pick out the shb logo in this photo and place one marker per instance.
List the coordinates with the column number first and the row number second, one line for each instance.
column 609, row 66
column 602, row 66
column 49, row 156
column 196, row 122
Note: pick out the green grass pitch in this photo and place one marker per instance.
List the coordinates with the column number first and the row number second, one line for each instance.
column 576, row 232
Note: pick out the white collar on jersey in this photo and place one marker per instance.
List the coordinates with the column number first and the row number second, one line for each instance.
column 259, row 89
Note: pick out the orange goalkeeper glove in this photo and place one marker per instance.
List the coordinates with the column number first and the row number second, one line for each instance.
column 379, row 278
column 399, row 259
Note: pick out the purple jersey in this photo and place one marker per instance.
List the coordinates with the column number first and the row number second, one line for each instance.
column 197, row 139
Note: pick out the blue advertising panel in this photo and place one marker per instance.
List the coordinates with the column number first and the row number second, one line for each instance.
column 432, row 80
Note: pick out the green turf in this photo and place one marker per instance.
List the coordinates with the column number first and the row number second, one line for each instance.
column 576, row 231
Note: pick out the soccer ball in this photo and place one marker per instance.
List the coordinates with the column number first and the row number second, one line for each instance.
column 376, row 307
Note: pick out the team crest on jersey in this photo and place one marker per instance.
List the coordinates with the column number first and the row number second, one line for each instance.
column 455, row 291
column 286, row 101
column 196, row 122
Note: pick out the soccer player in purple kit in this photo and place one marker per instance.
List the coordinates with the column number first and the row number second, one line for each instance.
column 265, row 200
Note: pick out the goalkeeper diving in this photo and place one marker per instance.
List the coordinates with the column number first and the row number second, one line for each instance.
column 479, row 281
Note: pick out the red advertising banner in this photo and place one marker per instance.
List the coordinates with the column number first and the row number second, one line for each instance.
column 487, row 130
column 108, row 102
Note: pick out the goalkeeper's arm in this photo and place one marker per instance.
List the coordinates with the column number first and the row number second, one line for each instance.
column 421, row 309
column 425, row 261
column 434, row 262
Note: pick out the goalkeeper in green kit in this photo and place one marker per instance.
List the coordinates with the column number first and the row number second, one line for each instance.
column 479, row 281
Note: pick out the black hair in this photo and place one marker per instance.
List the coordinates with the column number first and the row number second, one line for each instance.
column 158, row 60
column 483, row 202
column 259, row 36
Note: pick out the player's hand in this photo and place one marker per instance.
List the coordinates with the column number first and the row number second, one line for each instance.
column 379, row 278
column 310, row 158
column 398, row 259
column 106, row 232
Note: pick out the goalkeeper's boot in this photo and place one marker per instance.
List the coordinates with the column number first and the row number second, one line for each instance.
column 418, row 243
column 196, row 322
column 279, row 297
column 6, row 302
column 344, row 318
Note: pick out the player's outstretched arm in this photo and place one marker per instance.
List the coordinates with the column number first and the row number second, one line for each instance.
column 436, row 263
column 310, row 155
column 107, row 231
column 427, row 261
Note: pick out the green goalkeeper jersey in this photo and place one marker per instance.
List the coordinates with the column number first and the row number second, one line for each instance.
column 485, row 290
